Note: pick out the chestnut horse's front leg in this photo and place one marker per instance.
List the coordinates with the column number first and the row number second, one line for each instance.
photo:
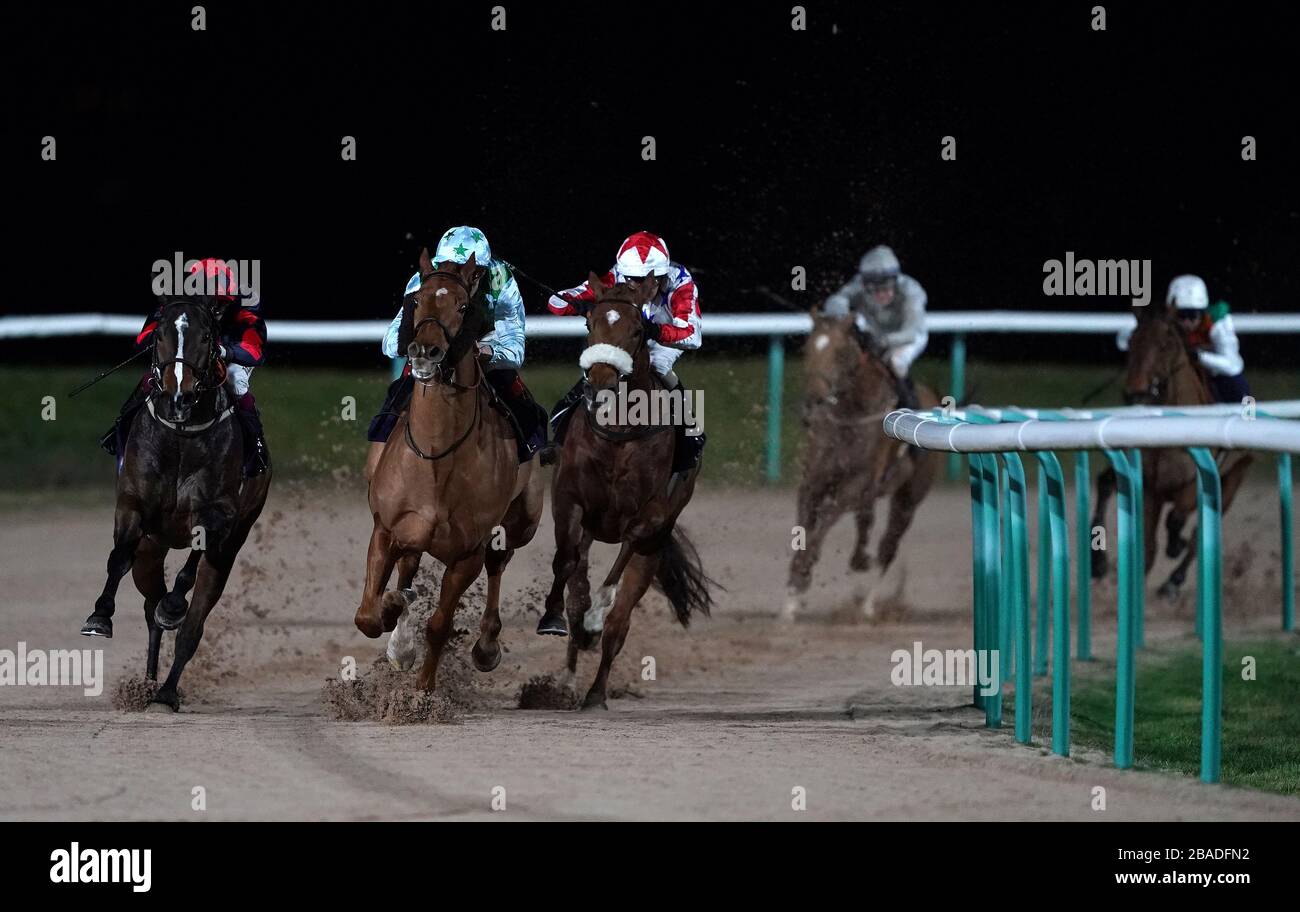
column 455, row 581
column 379, row 567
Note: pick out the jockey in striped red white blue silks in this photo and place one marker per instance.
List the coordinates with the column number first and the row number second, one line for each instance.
column 242, row 348
column 1210, row 334
column 502, row 348
column 670, row 304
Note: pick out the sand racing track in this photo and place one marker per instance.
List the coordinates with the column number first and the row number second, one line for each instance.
column 744, row 708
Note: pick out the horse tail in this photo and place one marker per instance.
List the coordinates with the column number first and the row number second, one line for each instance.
column 681, row 578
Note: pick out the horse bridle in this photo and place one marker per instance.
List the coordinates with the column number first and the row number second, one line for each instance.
column 202, row 374
column 636, row 351
column 445, row 379
column 433, row 318
column 635, row 433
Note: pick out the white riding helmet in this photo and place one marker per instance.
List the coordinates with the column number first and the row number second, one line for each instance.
column 458, row 243
column 642, row 254
column 879, row 265
column 1188, row 292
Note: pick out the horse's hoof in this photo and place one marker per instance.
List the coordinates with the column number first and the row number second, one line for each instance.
column 484, row 661
column 170, row 612
column 790, row 609
column 164, row 703
column 1167, row 591
column 1099, row 567
column 860, row 563
column 594, row 701
column 1176, row 547
column 553, row 625
column 98, row 626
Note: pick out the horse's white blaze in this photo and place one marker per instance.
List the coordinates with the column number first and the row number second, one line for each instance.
column 611, row 317
column 821, row 341
column 440, row 292
column 594, row 620
column 181, row 323
column 604, row 353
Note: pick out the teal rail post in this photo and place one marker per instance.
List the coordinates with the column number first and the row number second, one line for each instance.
column 1125, row 640
column 1209, row 597
column 1018, row 546
column 958, row 390
column 1060, row 572
column 975, row 463
column 993, row 589
column 1083, row 554
column 1044, row 578
column 775, row 392
column 1288, row 547
column 1139, row 552
column 1006, row 605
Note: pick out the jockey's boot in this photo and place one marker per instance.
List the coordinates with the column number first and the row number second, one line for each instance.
column 257, row 458
column 529, row 416
column 114, row 442
column 687, row 448
column 560, row 416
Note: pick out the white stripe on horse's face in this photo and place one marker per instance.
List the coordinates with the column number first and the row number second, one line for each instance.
column 181, row 323
column 440, row 292
column 822, row 341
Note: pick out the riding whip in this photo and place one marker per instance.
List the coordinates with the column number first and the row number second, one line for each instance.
column 89, row 383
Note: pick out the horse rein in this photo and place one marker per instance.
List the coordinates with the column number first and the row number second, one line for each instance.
column 478, row 409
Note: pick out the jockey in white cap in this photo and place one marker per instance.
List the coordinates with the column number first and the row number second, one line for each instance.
column 1209, row 332
column 670, row 304
column 501, row 349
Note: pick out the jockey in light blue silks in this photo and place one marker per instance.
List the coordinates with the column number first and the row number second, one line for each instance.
column 494, row 287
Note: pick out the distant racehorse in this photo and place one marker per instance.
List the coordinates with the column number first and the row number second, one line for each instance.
column 849, row 462
column 180, row 487
column 1163, row 370
column 614, row 484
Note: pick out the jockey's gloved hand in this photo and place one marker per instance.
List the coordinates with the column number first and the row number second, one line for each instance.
column 651, row 329
column 222, row 352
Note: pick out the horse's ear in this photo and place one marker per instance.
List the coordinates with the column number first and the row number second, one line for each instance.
column 595, row 284
column 426, row 264
column 467, row 270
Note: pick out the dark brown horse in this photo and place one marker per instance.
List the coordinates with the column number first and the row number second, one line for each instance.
column 180, row 487
column 613, row 483
column 1163, row 370
column 849, row 462
column 449, row 482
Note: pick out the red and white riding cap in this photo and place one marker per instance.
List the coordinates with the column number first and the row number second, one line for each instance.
column 642, row 254
column 218, row 277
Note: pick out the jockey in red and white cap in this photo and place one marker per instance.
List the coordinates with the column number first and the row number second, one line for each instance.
column 669, row 302
column 243, row 339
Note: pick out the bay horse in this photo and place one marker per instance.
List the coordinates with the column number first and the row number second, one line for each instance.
column 180, row 486
column 1162, row 369
column 449, row 482
column 849, row 463
column 615, row 484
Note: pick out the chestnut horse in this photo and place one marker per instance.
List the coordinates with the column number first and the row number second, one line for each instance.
column 181, row 487
column 849, row 463
column 614, row 484
column 449, row 482
column 1163, row 370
